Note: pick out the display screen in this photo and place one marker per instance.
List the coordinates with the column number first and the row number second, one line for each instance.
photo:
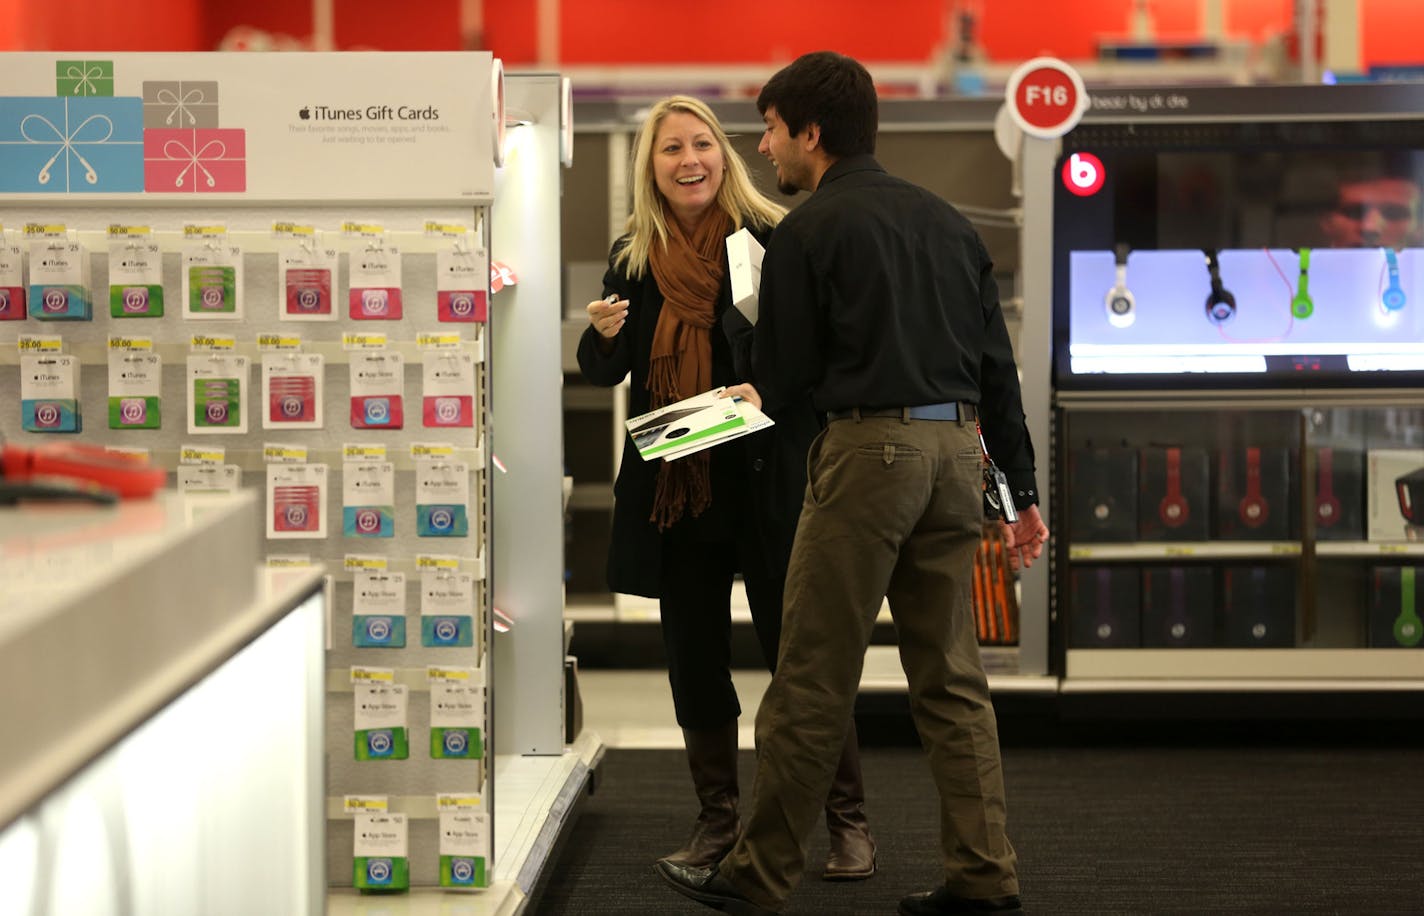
column 1246, row 255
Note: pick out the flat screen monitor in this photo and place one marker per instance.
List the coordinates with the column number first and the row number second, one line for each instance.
column 1240, row 256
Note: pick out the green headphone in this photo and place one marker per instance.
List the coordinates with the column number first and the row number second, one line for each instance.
column 1408, row 629
column 1301, row 305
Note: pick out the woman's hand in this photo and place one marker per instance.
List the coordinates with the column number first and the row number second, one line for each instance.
column 608, row 317
column 746, row 392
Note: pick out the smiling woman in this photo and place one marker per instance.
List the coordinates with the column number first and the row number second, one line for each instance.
column 687, row 167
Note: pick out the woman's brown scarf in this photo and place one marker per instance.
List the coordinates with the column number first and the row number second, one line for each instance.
column 689, row 273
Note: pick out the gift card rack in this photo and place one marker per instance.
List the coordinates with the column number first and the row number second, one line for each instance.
column 309, row 164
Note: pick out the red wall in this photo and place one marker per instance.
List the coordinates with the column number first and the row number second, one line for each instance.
column 611, row 32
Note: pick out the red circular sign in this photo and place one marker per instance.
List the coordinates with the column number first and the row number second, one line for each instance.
column 1083, row 174
column 1046, row 98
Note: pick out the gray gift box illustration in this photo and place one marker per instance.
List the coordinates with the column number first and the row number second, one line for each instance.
column 180, row 104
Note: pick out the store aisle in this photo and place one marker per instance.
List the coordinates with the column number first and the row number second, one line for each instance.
column 633, row 708
column 1099, row 830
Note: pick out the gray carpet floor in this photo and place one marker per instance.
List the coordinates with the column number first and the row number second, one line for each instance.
column 1098, row 830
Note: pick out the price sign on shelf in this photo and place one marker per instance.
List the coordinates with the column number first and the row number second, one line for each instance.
column 1046, row 97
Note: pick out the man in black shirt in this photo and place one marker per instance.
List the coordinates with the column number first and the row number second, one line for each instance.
column 878, row 299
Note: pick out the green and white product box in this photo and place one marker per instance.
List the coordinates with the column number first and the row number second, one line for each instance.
column 382, row 853
column 212, row 281
column 135, row 382
column 378, row 610
column 217, row 393
column 382, row 732
column 464, row 842
column 135, row 279
column 457, row 713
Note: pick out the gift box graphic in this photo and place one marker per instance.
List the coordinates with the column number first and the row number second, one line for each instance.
column 84, row 77
column 194, row 161
column 71, row 145
column 175, row 105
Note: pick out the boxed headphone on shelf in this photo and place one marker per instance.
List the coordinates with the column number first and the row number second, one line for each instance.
column 1339, row 494
column 1178, row 607
column 1259, row 606
column 1174, row 494
column 1395, row 618
column 1106, row 610
column 1253, row 494
column 1102, row 484
column 1395, row 495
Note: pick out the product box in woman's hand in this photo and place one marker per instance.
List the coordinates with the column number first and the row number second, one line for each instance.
column 744, row 254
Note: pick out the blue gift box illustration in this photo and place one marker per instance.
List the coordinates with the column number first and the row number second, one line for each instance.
column 71, row 145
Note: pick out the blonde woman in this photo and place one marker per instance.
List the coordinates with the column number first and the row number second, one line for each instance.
column 682, row 530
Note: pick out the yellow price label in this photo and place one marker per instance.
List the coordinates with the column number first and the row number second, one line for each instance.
column 45, row 231
column 33, row 343
column 292, row 230
column 447, row 341
column 192, row 455
column 446, row 674
column 361, row 804
column 354, row 563
column 278, row 342
column 204, row 232
column 1180, row 551
column 130, row 343
column 445, row 230
column 1394, row 548
column 446, row 801
column 363, row 341
column 362, row 230
column 364, row 452
column 427, row 561
column 1285, row 550
column 1079, row 553
column 288, row 454
column 373, row 675
column 128, row 232
column 209, row 342
column 421, row 450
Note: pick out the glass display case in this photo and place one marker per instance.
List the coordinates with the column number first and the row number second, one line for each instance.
column 1238, row 350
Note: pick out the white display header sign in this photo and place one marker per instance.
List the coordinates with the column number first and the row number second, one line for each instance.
column 271, row 127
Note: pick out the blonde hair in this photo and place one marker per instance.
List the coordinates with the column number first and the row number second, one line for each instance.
column 737, row 195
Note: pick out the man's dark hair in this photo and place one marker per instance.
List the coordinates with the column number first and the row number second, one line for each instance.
column 829, row 90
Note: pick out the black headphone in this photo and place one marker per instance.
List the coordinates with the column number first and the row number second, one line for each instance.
column 1220, row 303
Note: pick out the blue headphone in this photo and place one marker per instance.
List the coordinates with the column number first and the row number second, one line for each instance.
column 1393, row 297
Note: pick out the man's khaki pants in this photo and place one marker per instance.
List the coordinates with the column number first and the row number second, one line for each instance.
column 893, row 508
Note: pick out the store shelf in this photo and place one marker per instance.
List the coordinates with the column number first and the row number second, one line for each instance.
column 1247, row 669
column 1368, row 549
column 1196, row 550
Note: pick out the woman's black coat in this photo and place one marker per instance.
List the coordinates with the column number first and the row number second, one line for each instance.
column 768, row 468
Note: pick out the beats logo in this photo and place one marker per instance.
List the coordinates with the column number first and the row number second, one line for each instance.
column 1083, row 174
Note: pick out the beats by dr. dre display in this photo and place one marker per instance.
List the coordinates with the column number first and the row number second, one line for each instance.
column 1259, row 606
column 1102, row 486
column 1173, row 494
column 1395, row 494
column 1178, row 604
column 1253, row 494
column 1302, row 306
column 1395, row 619
column 1393, row 297
column 1107, row 608
column 1339, row 494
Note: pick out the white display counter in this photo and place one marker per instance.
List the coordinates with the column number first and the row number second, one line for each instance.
column 162, row 700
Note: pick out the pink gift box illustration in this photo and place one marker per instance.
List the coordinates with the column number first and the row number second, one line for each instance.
column 194, row 161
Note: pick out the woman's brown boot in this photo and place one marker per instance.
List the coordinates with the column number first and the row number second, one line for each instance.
column 852, row 856
column 712, row 757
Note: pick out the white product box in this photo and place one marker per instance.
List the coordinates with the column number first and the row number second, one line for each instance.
column 1395, row 494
